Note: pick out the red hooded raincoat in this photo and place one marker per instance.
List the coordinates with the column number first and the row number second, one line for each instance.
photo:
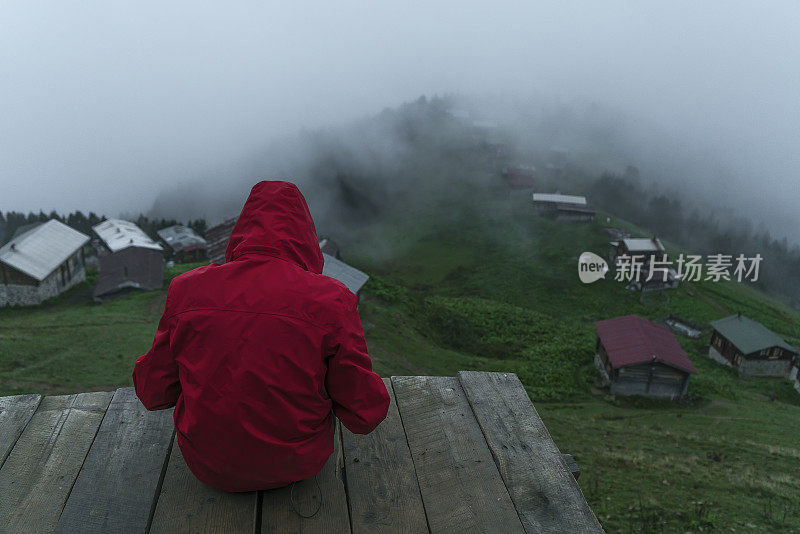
column 254, row 354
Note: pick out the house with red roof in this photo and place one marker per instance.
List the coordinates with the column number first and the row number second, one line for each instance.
column 639, row 357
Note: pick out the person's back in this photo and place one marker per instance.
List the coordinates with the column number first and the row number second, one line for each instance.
column 256, row 352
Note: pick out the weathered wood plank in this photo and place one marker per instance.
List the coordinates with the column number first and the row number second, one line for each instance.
column 38, row 474
column 571, row 465
column 116, row 487
column 382, row 488
column 333, row 516
column 187, row 505
column 15, row 412
column 460, row 484
column 546, row 495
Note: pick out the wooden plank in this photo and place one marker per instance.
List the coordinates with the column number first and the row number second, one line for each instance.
column 460, row 484
column 15, row 412
column 546, row 495
column 333, row 516
column 382, row 488
column 187, row 505
column 117, row 485
column 38, row 474
column 571, row 465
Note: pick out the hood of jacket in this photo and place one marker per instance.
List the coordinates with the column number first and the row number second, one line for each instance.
column 275, row 221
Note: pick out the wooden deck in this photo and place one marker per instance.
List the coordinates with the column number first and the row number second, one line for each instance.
column 455, row 454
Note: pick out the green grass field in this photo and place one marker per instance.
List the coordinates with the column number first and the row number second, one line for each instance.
column 460, row 285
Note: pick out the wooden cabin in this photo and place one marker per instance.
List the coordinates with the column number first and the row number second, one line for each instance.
column 639, row 357
column 643, row 247
column 217, row 238
column 563, row 207
column 128, row 260
column 333, row 266
column 184, row 243
column 643, row 250
column 750, row 347
column 41, row 263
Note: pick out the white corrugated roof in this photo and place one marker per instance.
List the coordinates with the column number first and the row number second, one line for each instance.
column 643, row 244
column 39, row 252
column 181, row 237
column 119, row 234
column 558, row 198
column 349, row 276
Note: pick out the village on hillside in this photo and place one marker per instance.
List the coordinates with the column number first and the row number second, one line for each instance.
column 635, row 356
column 641, row 353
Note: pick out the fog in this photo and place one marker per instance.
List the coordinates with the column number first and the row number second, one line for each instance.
column 105, row 107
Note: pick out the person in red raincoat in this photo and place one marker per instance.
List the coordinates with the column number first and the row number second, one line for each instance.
column 254, row 354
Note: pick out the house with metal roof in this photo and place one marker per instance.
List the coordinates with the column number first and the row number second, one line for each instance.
column 349, row 276
column 129, row 260
column 750, row 347
column 184, row 243
column 118, row 234
column 639, row 357
column 563, row 207
column 41, row 263
column 643, row 251
column 643, row 247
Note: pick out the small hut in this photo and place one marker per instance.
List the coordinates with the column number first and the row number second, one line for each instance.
column 750, row 347
column 129, row 260
column 185, row 244
column 40, row 263
column 563, row 207
column 638, row 357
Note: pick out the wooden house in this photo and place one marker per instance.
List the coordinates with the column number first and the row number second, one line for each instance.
column 217, row 238
column 40, row 263
column 128, row 260
column 185, row 244
column 643, row 250
column 333, row 266
column 638, row 357
column 642, row 247
column 563, row 207
column 750, row 347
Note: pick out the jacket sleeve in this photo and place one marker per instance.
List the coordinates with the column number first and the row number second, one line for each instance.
column 155, row 375
column 359, row 396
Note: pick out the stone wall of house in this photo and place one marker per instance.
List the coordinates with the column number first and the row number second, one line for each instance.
column 766, row 367
column 25, row 295
column 756, row 367
column 598, row 363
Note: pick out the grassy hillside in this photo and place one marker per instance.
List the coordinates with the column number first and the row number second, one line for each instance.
column 472, row 280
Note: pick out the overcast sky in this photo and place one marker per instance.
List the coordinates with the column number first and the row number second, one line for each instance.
column 103, row 104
